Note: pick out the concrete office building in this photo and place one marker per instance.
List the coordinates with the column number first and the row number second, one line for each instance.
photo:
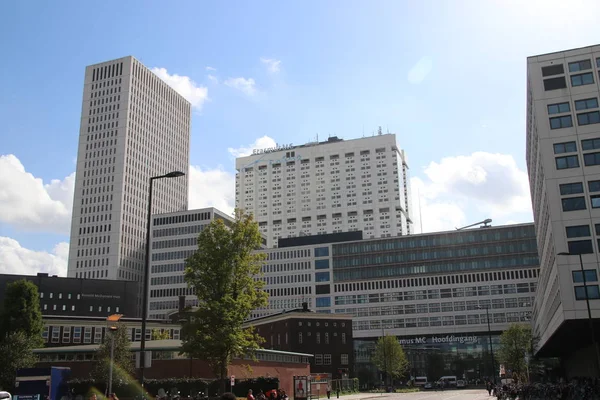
column 175, row 238
column 563, row 161
column 431, row 290
column 133, row 127
column 327, row 187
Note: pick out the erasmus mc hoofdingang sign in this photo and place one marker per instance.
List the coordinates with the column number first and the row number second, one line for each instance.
column 440, row 339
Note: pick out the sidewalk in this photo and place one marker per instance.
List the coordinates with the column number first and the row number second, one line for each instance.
column 358, row 396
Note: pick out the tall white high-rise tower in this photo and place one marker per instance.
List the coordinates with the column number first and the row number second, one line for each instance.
column 133, row 126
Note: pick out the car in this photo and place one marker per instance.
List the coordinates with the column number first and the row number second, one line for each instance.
column 428, row 386
column 5, row 396
column 460, row 384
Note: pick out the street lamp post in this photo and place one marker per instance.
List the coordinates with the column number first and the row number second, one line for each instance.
column 173, row 174
column 589, row 309
column 487, row 315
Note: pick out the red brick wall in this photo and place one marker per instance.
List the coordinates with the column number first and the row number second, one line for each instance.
column 181, row 368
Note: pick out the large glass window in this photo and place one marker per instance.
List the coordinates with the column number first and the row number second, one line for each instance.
column 571, row 188
column 558, row 108
column 556, row 69
column 322, row 277
column 590, row 144
column 594, row 186
column 578, row 231
column 580, row 65
column 595, row 199
column 567, row 162
column 323, row 301
column 566, row 147
column 586, row 104
column 580, row 247
column 322, row 264
column 590, row 159
column 573, row 204
column 566, row 121
column 582, row 79
column 588, row 118
column 593, row 292
column 321, row 251
column 590, row 276
column 555, row 83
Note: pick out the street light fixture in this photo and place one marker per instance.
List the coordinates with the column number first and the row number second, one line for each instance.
column 112, row 319
column 173, row 174
column 587, row 302
column 487, row 315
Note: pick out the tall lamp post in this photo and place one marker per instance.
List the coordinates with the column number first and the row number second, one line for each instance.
column 589, row 310
column 112, row 319
column 487, row 315
column 173, row 174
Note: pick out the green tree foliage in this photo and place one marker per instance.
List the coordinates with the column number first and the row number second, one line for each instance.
column 389, row 357
column 516, row 345
column 21, row 312
column 158, row 335
column 123, row 367
column 224, row 274
column 21, row 329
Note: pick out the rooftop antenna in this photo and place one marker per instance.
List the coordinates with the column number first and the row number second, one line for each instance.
column 379, row 131
column 363, row 130
column 420, row 214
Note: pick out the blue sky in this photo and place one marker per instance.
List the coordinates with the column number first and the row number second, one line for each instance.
column 448, row 77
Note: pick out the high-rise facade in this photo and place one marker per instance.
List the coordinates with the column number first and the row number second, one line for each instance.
column 327, row 187
column 133, row 126
column 563, row 161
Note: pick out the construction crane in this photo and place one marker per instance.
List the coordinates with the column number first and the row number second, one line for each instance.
column 485, row 223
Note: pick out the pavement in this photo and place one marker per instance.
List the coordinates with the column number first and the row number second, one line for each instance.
column 460, row 394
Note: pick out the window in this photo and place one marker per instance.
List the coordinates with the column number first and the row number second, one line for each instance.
column 322, row 277
column 571, row 188
column 343, row 338
column 567, row 162
column 299, row 337
column 580, row 247
column 594, row 186
column 318, row 359
column 586, row 103
column 559, row 108
column 582, row 79
column 595, row 201
column 344, row 359
column 321, row 251
column 553, row 70
column 590, row 159
column 573, row 204
column 578, row 231
column 326, row 337
column 555, row 83
column 322, row 264
column 566, row 147
column 590, row 144
column 588, row 118
column 327, row 359
column 318, row 337
column 592, row 292
column 323, row 302
column 590, row 276
column 580, row 65
column 561, row 122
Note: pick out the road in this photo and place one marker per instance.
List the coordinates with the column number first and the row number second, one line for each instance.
column 467, row 394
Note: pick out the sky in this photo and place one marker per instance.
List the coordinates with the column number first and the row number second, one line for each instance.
column 447, row 77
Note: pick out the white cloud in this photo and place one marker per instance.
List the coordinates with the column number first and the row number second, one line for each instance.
column 273, row 65
column 420, row 70
column 185, row 86
column 29, row 204
column 210, row 69
column 212, row 188
column 213, row 78
column 15, row 259
column 247, row 86
column 260, row 143
column 462, row 190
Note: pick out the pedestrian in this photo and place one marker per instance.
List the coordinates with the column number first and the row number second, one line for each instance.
column 250, row 396
column 488, row 387
column 328, row 391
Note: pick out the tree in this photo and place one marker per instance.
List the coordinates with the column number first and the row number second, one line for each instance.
column 21, row 312
column 516, row 344
column 123, row 367
column 21, row 329
column 389, row 357
column 224, row 274
column 158, row 335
